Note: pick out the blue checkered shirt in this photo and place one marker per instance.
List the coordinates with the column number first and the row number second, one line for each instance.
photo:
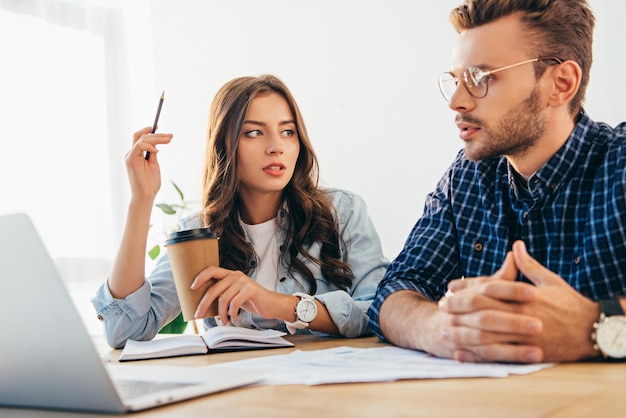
column 571, row 216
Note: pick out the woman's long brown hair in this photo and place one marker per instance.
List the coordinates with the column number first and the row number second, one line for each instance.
column 311, row 215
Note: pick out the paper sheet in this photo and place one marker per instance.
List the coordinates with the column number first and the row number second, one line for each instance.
column 348, row 364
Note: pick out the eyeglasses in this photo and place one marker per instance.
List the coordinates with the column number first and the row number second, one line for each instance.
column 476, row 80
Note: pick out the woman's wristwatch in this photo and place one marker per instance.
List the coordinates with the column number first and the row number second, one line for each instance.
column 306, row 311
column 609, row 333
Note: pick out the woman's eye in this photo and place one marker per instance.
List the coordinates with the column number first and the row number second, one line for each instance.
column 289, row 132
column 253, row 133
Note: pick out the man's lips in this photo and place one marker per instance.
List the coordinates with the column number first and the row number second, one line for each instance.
column 467, row 130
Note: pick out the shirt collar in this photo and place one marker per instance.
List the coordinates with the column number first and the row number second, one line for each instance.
column 562, row 164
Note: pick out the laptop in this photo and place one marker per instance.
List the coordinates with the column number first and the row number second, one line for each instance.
column 47, row 357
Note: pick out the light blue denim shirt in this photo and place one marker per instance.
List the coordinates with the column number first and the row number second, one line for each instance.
column 143, row 313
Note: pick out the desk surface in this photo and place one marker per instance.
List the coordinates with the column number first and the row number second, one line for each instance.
column 566, row 390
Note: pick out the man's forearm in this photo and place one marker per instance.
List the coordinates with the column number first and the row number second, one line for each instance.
column 407, row 320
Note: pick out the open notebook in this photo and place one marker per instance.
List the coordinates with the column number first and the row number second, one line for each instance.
column 47, row 357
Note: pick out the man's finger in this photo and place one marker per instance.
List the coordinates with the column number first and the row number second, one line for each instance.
column 505, row 353
column 496, row 321
column 508, row 270
column 531, row 268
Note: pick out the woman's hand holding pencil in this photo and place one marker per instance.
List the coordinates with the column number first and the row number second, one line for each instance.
column 141, row 162
column 145, row 175
column 156, row 119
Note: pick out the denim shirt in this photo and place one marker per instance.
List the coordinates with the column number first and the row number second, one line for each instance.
column 144, row 312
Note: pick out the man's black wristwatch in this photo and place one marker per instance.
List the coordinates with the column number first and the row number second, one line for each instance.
column 609, row 333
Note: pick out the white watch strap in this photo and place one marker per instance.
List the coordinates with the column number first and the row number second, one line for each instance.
column 292, row 327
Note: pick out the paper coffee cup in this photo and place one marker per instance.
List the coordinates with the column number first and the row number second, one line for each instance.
column 190, row 252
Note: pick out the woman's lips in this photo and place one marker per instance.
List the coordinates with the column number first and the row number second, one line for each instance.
column 276, row 169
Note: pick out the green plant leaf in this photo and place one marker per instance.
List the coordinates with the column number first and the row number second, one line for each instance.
column 177, row 326
column 180, row 192
column 154, row 252
column 167, row 209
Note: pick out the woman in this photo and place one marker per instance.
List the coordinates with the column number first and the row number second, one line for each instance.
column 280, row 234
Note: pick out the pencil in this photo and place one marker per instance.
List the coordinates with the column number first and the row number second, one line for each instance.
column 156, row 119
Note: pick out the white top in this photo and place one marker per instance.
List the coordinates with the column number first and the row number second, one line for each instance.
column 263, row 239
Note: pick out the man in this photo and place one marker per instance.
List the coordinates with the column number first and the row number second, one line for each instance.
column 526, row 230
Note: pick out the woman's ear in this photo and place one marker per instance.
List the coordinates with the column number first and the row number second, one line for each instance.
column 564, row 83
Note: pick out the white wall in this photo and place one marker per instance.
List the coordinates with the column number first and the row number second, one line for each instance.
column 79, row 76
column 363, row 71
column 365, row 76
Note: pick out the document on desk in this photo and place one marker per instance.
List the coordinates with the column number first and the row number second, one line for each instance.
column 350, row 365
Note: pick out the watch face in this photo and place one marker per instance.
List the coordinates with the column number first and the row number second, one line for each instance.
column 306, row 310
column 611, row 336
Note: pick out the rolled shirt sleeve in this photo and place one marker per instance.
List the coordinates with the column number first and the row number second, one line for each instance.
column 364, row 255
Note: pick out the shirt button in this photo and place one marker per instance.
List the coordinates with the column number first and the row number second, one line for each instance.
column 478, row 247
column 282, row 247
column 577, row 260
column 282, row 279
column 525, row 215
column 553, row 185
column 100, row 318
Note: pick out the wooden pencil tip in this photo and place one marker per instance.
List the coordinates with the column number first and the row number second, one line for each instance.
column 163, row 94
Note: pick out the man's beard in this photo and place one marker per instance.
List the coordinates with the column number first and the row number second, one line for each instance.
column 515, row 133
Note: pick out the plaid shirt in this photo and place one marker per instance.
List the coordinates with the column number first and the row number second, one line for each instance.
column 572, row 218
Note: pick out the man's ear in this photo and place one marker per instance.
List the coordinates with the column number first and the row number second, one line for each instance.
column 564, row 82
